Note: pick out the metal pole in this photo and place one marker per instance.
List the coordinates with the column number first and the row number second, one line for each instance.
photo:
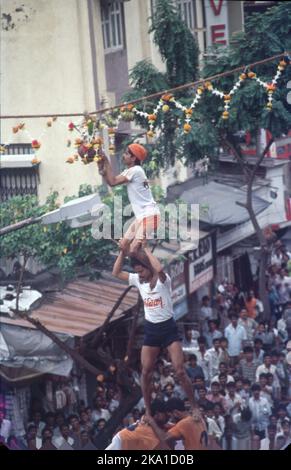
column 19, row 225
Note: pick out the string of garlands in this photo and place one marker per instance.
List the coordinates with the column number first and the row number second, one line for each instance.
column 89, row 144
column 128, row 112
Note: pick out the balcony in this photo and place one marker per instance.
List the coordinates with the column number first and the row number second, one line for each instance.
column 19, row 175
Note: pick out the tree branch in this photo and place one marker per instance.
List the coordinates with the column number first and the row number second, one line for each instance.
column 128, row 356
column 249, row 203
column 100, row 330
column 228, row 141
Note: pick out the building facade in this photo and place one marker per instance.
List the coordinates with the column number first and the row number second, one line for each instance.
column 75, row 56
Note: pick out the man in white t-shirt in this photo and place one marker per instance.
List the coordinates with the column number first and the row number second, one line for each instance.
column 146, row 211
column 64, row 438
column 160, row 328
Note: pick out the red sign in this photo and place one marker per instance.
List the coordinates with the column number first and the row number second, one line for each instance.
column 216, row 8
column 218, row 34
column 216, row 22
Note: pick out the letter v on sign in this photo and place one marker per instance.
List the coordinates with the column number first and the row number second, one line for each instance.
column 216, row 6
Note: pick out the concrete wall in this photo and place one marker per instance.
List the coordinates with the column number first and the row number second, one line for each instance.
column 48, row 69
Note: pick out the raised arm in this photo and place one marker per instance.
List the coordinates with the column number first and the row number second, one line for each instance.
column 105, row 170
column 117, row 268
column 155, row 264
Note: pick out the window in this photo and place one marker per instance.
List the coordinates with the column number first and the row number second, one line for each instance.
column 17, row 182
column 18, row 176
column 112, row 25
column 187, row 12
column 186, row 9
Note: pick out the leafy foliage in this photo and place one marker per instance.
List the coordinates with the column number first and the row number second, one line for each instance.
column 179, row 51
column 265, row 35
column 71, row 250
column 176, row 44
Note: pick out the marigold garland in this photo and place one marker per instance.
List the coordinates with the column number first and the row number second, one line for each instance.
column 89, row 143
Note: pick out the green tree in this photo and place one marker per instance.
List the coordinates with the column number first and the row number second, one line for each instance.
column 179, row 51
column 73, row 251
column 265, row 35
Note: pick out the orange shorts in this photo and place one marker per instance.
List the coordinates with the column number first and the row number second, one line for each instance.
column 143, row 228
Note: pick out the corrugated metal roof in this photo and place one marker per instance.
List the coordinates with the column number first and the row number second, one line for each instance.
column 81, row 307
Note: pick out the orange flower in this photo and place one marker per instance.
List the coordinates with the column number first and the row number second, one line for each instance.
column 130, row 106
column 167, row 97
column 122, row 109
column 252, row 75
column 208, row 86
column 189, row 111
column 187, row 128
column 97, row 141
column 152, row 117
column 282, row 63
column 243, row 76
column 271, row 87
column 225, row 115
column 227, row 97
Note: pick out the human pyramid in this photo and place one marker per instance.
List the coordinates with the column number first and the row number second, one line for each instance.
column 160, row 330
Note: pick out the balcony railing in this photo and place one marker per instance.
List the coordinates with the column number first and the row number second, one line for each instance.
column 22, row 177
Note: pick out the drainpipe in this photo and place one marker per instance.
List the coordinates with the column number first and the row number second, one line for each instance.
column 93, row 53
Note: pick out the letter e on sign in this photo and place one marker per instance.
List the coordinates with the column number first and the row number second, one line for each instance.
column 218, row 34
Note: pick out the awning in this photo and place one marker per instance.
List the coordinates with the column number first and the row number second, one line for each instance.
column 174, row 250
column 218, row 203
column 34, row 351
column 18, row 374
column 81, row 307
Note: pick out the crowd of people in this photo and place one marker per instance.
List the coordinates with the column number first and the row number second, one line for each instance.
column 239, row 366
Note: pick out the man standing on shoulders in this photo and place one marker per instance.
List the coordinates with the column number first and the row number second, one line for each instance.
column 160, row 328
